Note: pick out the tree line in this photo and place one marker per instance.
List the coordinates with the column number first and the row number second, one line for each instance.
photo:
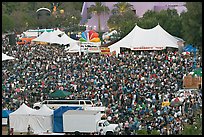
column 20, row 16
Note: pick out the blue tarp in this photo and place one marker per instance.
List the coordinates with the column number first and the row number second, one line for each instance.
column 58, row 120
column 5, row 113
column 189, row 48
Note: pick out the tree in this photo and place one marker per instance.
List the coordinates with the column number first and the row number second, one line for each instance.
column 192, row 24
column 7, row 23
column 195, row 129
column 142, row 132
column 168, row 19
column 121, row 8
column 123, row 23
column 98, row 9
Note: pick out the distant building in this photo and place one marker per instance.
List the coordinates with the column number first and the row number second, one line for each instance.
column 139, row 8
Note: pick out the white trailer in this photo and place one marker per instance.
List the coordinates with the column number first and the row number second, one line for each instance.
column 87, row 121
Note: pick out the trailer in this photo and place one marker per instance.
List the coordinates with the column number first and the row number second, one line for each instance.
column 86, row 122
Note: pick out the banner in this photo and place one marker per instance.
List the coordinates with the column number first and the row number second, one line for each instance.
column 105, row 50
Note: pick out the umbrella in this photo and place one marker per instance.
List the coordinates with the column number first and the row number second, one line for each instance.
column 60, row 94
column 166, row 103
column 176, row 102
column 197, row 72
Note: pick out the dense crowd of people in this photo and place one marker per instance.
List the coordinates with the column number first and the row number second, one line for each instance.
column 132, row 86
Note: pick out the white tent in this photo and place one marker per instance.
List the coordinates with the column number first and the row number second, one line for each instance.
column 57, row 37
column 41, row 120
column 6, row 57
column 41, row 37
column 146, row 39
column 20, row 119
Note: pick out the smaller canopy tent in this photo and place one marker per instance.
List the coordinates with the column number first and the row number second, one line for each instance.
column 41, row 37
column 52, row 37
column 20, row 119
column 73, row 48
column 6, row 57
column 197, row 72
column 60, row 94
column 49, row 37
column 57, row 37
column 145, row 39
column 58, row 120
column 5, row 115
column 41, row 120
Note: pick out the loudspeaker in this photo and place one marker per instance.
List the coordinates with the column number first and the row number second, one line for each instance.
column 12, row 39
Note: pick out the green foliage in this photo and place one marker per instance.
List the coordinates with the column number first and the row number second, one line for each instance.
column 98, row 9
column 7, row 23
column 192, row 24
column 25, row 17
column 123, row 23
column 168, row 19
column 142, row 132
column 122, row 7
column 155, row 132
column 195, row 129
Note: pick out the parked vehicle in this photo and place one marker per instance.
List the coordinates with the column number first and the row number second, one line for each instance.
column 87, row 122
column 54, row 104
column 25, row 40
column 101, row 109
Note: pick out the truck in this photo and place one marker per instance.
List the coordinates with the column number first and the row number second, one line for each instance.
column 87, row 122
column 101, row 109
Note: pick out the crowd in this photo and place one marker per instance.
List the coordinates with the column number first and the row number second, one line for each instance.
column 132, row 86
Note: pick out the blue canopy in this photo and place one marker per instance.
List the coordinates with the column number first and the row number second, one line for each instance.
column 58, row 120
column 189, row 48
column 5, row 113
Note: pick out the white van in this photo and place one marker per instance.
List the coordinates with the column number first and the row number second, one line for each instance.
column 54, row 104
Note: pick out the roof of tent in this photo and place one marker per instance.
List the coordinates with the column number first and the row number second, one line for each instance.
column 142, row 39
column 41, row 37
column 23, row 110
column 43, row 111
column 56, row 36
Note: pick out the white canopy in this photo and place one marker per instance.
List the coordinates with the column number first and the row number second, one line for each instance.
column 41, row 120
column 6, row 57
column 146, row 39
column 20, row 119
column 42, row 37
column 57, row 37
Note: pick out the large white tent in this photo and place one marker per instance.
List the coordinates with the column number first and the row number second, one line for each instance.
column 6, row 57
column 146, row 39
column 20, row 119
column 42, row 120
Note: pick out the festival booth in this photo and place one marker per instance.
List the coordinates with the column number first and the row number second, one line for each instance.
column 42, row 120
column 20, row 119
column 193, row 80
column 57, row 118
column 145, row 39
